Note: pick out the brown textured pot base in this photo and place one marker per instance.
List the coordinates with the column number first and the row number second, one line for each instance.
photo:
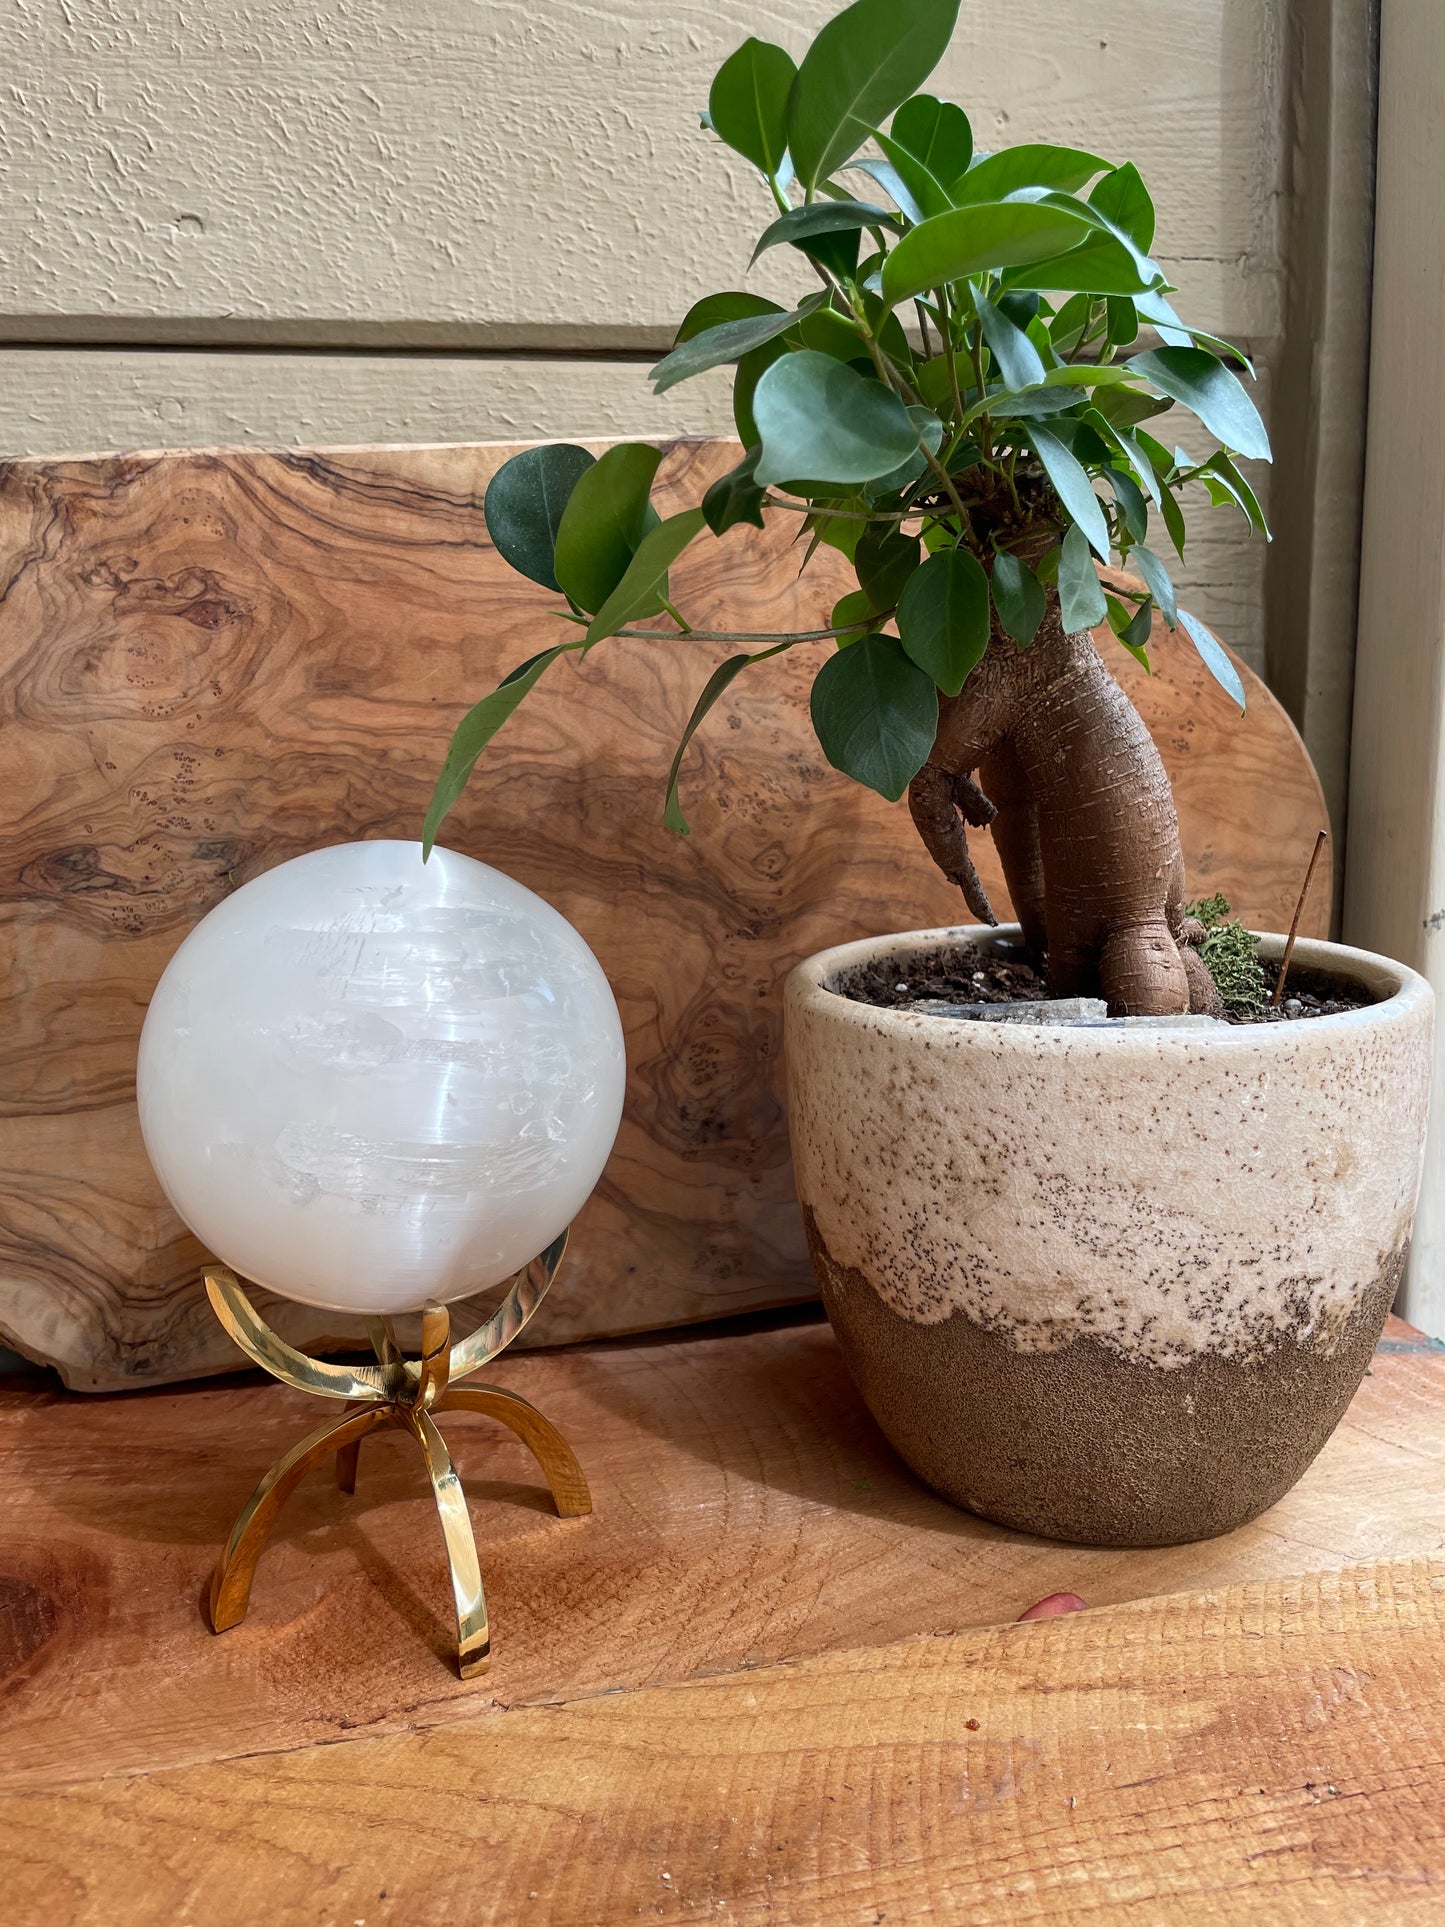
column 1079, row 1443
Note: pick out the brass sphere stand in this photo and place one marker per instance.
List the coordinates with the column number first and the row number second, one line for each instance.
column 403, row 1392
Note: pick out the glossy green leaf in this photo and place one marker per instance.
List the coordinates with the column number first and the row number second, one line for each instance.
column 1073, row 488
column 1124, row 406
column 875, row 713
column 604, row 522
column 1121, row 197
column 1132, row 630
column 750, row 371
column 733, row 304
column 1081, row 595
column 728, row 341
column 884, row 560
column 1123, row 321
column 1214, row 657
column 1225, row 484
column 943, row 618
column 735, row 497
column 1071, row 323
column 893, row 184
column 926, row 192
column 854, row 611
column 1034, row 164
column 642, row 588
column 1018, row 597
column 937, row 133
column 975, row 240
column 819, row 418
column 1173, row 516
column 929, row 429
column 1200, row 382
column 1100, row 265
column 1132, row 505
column 748, row 104
column 1158, row 582
column 802, row 225
column 524, row 503
column 1017, row 359
column 476, row 730
column 864, row 63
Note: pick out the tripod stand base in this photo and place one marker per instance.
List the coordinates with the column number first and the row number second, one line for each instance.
column 407, row 1394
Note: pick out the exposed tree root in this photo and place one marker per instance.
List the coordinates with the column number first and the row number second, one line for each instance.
column 1045, row 748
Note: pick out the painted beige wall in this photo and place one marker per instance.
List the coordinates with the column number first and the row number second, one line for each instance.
column 484, row 178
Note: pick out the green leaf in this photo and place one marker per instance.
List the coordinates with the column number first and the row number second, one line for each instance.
column 1015, row 356
column 1173, row 519
column 928, row 427
column 1081, row 596
column 975, row 240
column 943, row 617
column 853, row 611
column 803, row 224
column 1214, row 656
column 1225, row 484
column 524, row 503
column 1070, row 324
column 1157, row 581
column 642, row 588
column 604, row 522
column 1031, row 165
column 864, row 64
column 731, row 305
column 884, row 560
column 1200, row 382
column 1100, row 265
column 475, row 731
column 936, row 133
column 925, row 191
column 1132, row 505
column 728, row 341
column 818, row 418
column 1019, row 598
column 892, row 183
column 1121, row 197
column 875, row 714
column 1125, row 407
column 748, row 104
column 735, row 497
column 1073, row 488
column 716, row 683
column 1132, row 630
column 1123, row 321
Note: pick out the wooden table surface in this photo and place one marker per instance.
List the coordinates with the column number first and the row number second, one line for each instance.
column 771, row 1679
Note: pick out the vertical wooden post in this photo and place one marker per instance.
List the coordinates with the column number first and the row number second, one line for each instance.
column 1395, row 862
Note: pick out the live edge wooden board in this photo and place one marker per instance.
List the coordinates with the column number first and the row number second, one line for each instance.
column 210, row 662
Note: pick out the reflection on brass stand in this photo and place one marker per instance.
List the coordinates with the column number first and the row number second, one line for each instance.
column 407, row 1393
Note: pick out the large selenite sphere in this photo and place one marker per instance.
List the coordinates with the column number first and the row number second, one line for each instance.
column 365, row 1081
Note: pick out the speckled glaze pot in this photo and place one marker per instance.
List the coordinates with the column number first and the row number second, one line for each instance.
column 1111, row 1286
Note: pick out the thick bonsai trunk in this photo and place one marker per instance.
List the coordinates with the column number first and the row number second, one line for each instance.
column 1045, row 748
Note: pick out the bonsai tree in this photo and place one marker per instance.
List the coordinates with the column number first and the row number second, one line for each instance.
column 957, row 404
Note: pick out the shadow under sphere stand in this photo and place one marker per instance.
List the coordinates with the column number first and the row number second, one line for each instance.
column 404, row 1392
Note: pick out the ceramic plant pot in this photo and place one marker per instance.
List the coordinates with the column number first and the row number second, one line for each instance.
column 1115, row 1286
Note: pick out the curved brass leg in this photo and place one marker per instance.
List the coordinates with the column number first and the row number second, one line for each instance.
column 474, row 1645
column 546, row 1444
column 231, row 1586
column 347, row 1459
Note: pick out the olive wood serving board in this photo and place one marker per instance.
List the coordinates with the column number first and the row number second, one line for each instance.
column 212, row 661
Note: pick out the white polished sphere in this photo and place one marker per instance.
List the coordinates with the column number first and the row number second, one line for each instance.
column 366, row 1082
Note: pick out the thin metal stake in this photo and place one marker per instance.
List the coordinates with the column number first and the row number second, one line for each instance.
column 1299, row 910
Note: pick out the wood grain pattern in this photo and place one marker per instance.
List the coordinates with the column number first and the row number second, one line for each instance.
column 1260, row 1745
column 211, row 662
column 747, row 1511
